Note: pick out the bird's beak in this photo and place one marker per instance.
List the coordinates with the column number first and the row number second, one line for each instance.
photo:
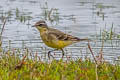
column 33, row 26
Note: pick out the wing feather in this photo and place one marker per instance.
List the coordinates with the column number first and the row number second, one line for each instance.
column 62, row 36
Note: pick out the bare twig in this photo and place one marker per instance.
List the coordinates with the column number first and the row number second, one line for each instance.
column 96, row 71
column 3, row 28
column 21, row 63
column 97, row 59
column 92, row 53
column 100, row 57
column 96, row 63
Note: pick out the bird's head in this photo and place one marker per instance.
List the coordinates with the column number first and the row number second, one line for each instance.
column 41, row 25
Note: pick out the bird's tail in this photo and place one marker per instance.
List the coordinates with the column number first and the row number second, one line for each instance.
column 85, row 39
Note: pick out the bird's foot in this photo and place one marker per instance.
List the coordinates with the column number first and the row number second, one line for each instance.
column 62, row 53
column 49, row 54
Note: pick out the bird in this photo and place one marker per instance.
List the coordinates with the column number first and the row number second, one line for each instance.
column 55, row 38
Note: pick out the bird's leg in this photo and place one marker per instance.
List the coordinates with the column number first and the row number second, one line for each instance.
column 62, row 53
column 49, row 53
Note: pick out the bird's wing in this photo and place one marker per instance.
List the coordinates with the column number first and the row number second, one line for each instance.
column 62, row 36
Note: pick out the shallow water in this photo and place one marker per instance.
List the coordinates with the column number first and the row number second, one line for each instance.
column 81, row 18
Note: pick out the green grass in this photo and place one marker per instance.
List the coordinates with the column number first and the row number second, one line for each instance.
column 16, row 68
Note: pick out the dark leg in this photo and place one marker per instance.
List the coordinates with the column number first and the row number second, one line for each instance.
column 62, row 53
column 49, row 53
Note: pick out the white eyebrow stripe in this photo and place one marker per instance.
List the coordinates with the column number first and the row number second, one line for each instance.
column 42, row 23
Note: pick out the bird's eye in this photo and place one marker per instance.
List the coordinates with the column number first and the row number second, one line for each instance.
column 40, row 24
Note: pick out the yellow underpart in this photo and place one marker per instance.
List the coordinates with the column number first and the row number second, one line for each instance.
column 58, row 44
